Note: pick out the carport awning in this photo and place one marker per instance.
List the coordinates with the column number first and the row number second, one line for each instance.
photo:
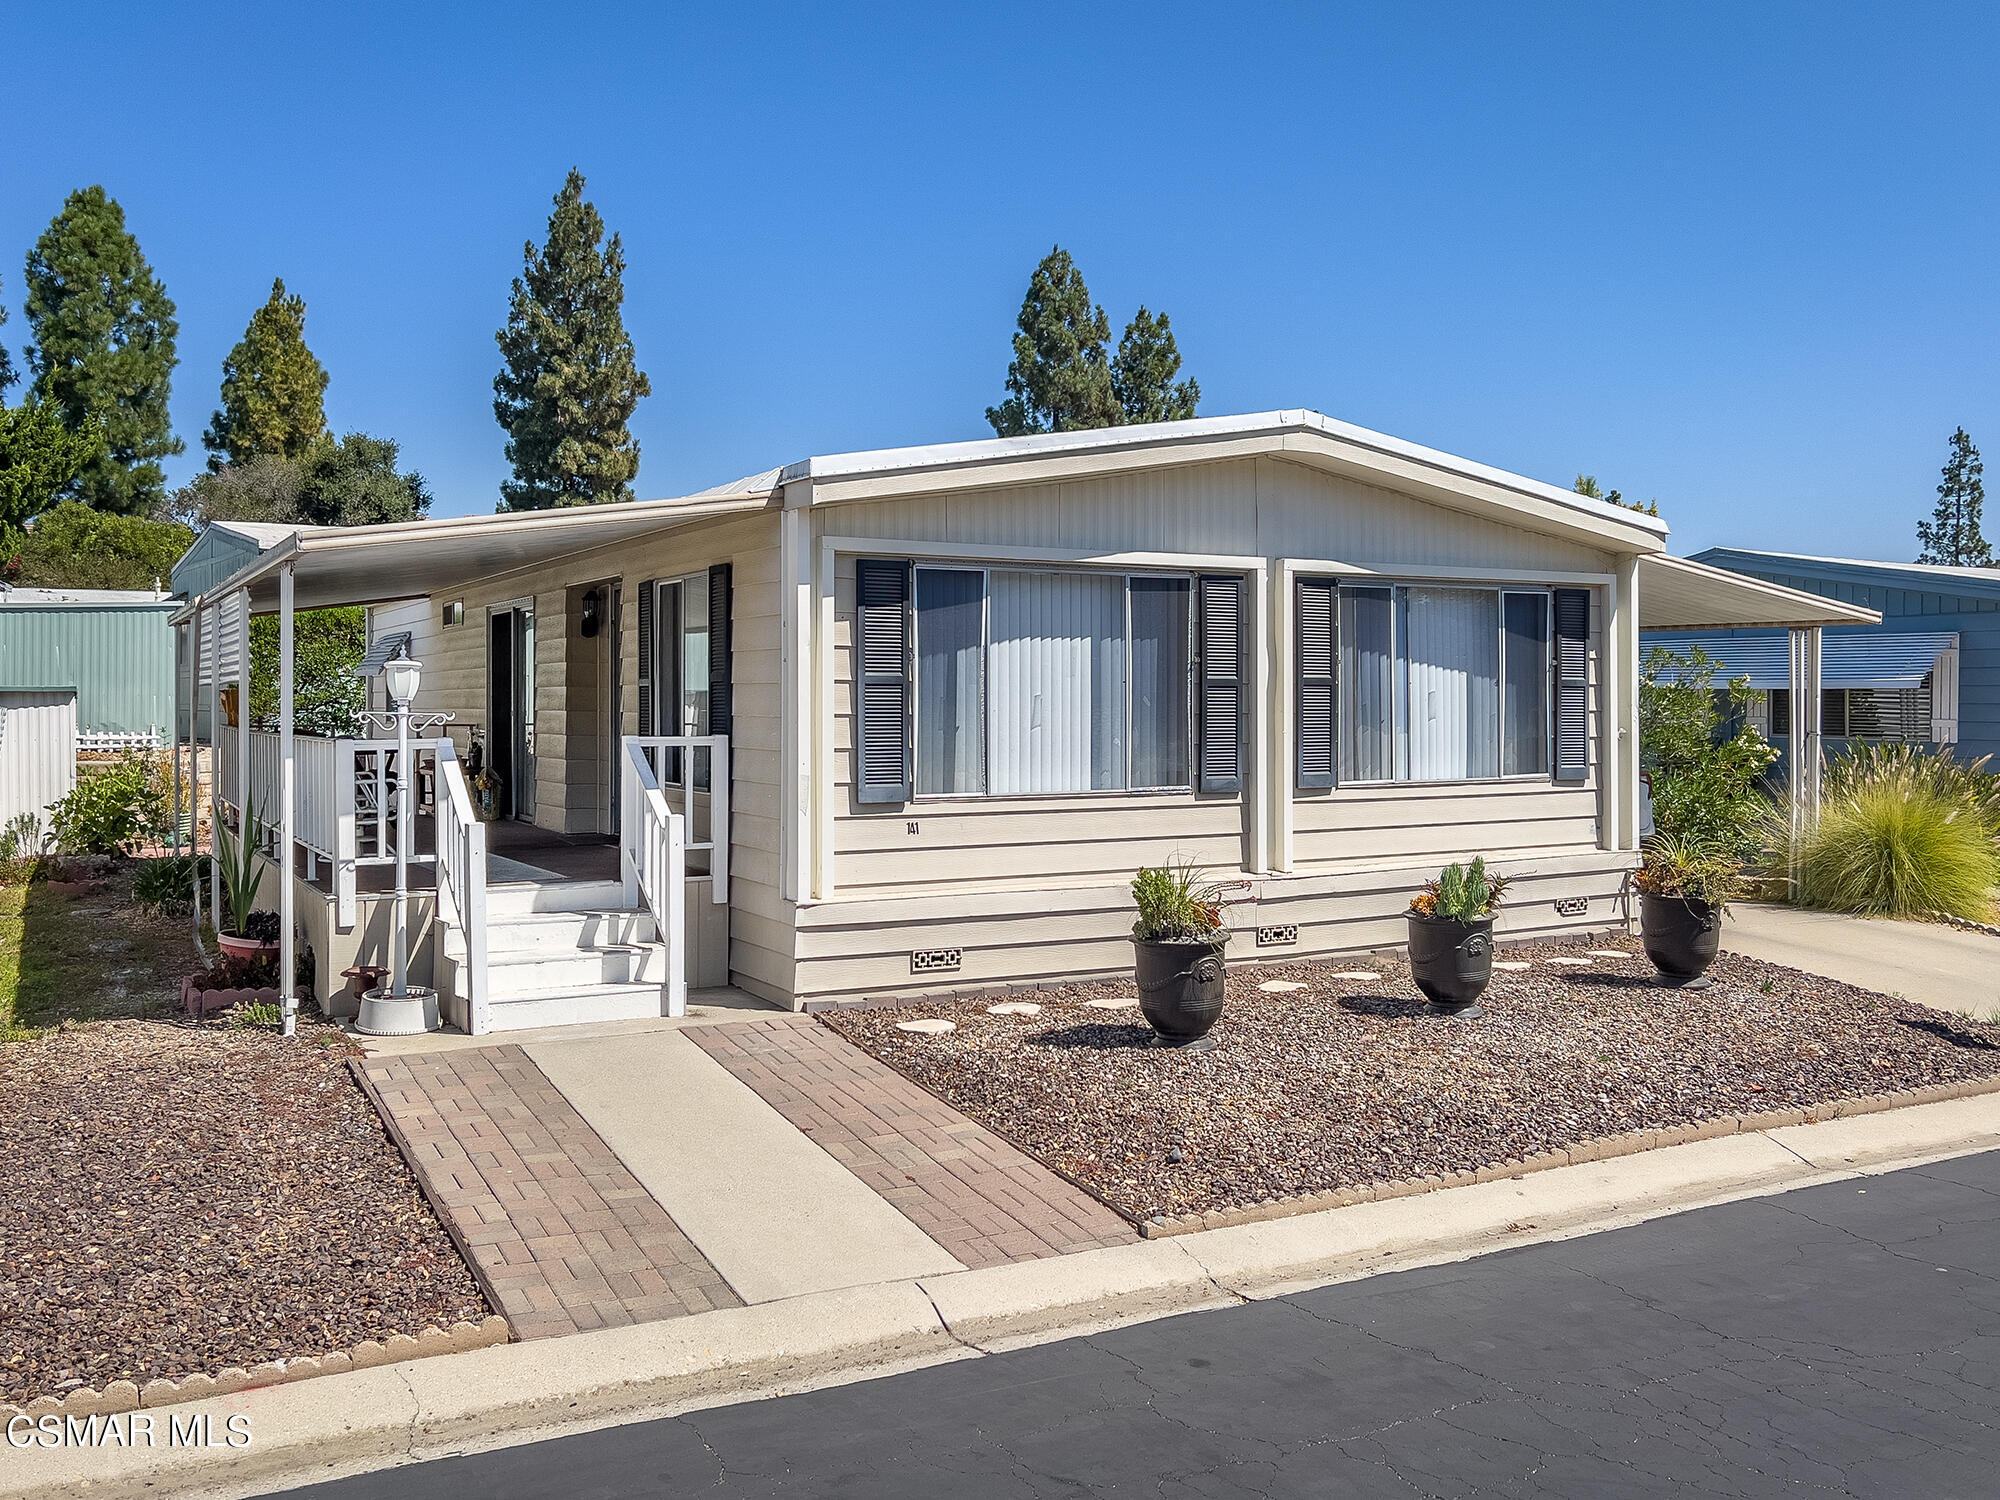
column 1676, row 594
column 1847, row 660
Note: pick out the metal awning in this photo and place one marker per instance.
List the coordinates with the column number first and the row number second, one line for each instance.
column 1676, row 594
column 412, row 559
column 1848, row 659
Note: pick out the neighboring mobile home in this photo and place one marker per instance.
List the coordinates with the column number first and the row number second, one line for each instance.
column 932, row 707
column 1928, row 673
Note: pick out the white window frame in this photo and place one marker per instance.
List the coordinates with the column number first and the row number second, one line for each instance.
column 1401, row 685
column 986, row 570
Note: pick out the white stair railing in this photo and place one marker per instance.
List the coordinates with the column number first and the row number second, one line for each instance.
column 653, row 849
column 461, row 881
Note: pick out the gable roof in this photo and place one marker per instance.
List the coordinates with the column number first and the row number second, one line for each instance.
column 1933, row 578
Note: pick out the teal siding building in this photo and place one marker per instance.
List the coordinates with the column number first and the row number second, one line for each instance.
column 112, row 648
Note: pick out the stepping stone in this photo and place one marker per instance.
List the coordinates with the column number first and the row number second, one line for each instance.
column 1121, row 1003
column 1281, row 986
column 1511, row 964
column 1014, row 1008
column 1576, row 963
column 933, row 1026
column 1609, row 953
column 1355, row 974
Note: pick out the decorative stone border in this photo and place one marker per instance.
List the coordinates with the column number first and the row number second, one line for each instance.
column 126, row 1395
column 1965, row 925
column 1163, row 1226
column 201, row 1004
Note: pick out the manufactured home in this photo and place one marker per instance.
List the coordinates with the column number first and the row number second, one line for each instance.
column 894, row 722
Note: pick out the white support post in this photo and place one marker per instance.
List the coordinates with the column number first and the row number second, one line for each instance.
column 180, row 651
column 214, row 763
column 1256, row 778
column 288, row 942
column 1632, row 758
column 1283, row 708
column 1804, row 728
column 825, row 804
column 795, row 676
column 243, row 717
column 675, row 875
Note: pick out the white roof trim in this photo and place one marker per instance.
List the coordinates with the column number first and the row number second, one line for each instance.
column 1677, row 593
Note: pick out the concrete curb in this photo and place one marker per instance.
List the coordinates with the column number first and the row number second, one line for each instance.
column 513, row 1393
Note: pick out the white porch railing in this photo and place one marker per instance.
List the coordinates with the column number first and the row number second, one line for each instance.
column 343, row 798
column 461, row 879
column 653, row 845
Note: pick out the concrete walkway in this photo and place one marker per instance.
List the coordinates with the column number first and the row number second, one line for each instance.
column 775, row 1214
column 1926, row 962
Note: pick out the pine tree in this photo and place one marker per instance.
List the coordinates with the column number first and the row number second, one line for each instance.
column 39, row 459
column 7, row 375
column 1059, row 380
column 104, row 335
column 273, row 389
column 1952, row 535
column 1586, row 484
column 1142, row 376
column 571, row 381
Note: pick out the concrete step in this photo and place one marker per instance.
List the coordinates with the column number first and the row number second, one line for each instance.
column 599, row 1002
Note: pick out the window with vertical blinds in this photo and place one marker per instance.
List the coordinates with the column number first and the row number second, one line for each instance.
column 1434, row 683
column 1050, row 681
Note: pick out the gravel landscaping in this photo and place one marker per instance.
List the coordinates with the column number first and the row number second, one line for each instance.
column 181, row 1199
column 1348, row 1081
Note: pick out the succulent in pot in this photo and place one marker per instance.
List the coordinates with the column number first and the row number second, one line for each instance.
column 1684, row 888
column 1451, row 936
column 242, row 932
column 1177, row 945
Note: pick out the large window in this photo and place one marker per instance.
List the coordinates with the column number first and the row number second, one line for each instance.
column 1041, row 682
column 1443, row 684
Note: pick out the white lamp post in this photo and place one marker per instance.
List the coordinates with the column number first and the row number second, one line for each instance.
column 400, row 1010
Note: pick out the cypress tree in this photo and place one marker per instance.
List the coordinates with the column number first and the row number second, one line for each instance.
column 571, row 381
column 273, row 389
column 104, row 335
column 1142, row 376
column 1059, row 380
column 1952, row 535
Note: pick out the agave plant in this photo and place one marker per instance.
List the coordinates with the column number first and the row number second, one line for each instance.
column 237, row 858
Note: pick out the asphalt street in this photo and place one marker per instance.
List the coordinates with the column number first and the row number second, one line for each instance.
column 1838, row 1340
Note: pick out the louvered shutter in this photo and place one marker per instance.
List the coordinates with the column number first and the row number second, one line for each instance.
column 882, row 681
column 1315, row 651
column 646, row 644
column 719, row 694
column 1572, row 684
column 1220, row 639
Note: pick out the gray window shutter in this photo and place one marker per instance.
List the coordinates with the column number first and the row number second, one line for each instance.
column 882, row 681
column 719, row 694
column 647, row 590
column 1220, row 641
column 1316, row 668
column 1572, row 627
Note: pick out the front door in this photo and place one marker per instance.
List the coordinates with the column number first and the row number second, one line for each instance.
column 511, row 706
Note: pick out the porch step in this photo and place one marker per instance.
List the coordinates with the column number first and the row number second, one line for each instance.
column 525, row 899
column 597, row 1002
column 531, row 972
column 559, row 931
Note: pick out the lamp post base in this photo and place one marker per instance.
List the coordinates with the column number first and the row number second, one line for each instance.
column 412, row 1013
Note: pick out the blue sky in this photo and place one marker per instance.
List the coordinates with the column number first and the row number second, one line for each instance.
column 1738, row 257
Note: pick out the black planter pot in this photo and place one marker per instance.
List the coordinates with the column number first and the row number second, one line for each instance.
column 1681, row 936
column 1451, row 961
column 1180, row 988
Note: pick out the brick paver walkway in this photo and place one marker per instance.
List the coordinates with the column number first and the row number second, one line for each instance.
column 982, row 1199
column 560, row 1235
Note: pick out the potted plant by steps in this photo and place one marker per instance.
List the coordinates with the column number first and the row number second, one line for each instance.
column 1684, row 888
column 1451, row 937
column 1177, row 953
column 243, row 933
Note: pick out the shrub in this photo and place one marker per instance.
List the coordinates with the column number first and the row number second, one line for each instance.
column 1897, row 850
column 1966, row 784
column 1462, row 893
column 166, row 885
column 1704, row 784
column 114, row 807
column 1177, row 906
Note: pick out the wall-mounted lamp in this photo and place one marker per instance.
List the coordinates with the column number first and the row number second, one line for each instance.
column 591, row 618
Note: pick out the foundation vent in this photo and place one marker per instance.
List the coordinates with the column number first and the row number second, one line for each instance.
column 1572, row 906
column 936, row 960
column 1277, row 937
